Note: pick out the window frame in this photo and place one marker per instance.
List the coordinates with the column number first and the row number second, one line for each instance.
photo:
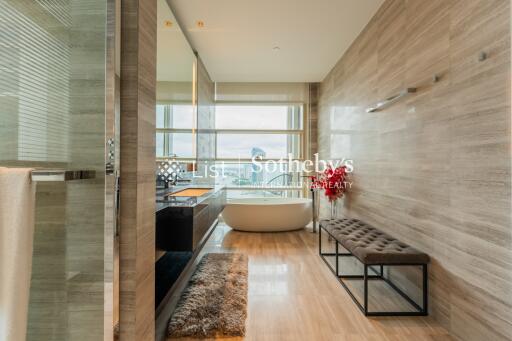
column 303, row 134
column 166, row 131
column 303, row 145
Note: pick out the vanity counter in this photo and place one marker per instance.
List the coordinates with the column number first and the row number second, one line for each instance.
column 164, row 200
column 183, row 222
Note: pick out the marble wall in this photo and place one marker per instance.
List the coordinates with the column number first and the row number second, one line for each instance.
column 205, row 124
column 85, row 201
column 137, row 212
column 434, row 169
column 312, row 124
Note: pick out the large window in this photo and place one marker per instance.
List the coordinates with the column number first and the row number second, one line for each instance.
column 266, row 131
column 175, row 123
column 272, row 133
column 242, row 131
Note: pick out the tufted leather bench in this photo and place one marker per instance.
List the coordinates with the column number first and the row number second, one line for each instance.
column 373, row 248
column 370, row 245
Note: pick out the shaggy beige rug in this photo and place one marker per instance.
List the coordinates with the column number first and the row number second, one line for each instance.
column 215, row 300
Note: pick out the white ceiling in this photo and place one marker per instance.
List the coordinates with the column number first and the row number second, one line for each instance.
column 237, row 40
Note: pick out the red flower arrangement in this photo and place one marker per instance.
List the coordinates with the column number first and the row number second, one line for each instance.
column 332, row 181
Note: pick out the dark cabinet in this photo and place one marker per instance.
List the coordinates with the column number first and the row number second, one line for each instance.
column 184, row 228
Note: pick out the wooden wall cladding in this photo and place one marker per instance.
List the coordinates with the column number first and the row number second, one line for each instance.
column 138, row 105
column 434, row 169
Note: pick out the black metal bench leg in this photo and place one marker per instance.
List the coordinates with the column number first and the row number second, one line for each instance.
column 337, row 261
column 425, row 289
column 419, row 310
column 320, row 240
column 365, row 289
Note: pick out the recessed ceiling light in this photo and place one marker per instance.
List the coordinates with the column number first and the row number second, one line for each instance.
column 276, row 48
column 168, row 23
column 200, row 24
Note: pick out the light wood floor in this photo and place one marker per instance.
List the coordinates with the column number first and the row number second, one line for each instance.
column 293, row 295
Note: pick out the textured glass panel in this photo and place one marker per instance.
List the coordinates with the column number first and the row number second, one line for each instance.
column 52, row 115
column 34, row 87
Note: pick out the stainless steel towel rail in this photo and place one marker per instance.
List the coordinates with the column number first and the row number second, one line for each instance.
column 390, row 100
column 61, row 175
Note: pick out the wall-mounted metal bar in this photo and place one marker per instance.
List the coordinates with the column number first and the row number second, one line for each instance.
column 61, row 175
column 390, row 100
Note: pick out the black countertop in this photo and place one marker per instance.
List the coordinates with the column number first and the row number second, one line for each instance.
column 163, row 200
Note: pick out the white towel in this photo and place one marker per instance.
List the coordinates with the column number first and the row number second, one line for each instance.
column 17, row 210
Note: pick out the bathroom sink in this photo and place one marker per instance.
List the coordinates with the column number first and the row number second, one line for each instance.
column 181, row 226
column 190, row 192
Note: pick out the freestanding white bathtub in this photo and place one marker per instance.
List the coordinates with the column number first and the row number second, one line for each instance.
column 268, row 214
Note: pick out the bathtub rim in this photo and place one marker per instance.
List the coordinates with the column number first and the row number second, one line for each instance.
column 268, row 201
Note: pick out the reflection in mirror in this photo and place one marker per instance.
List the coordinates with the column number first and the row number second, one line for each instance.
column 176, row 117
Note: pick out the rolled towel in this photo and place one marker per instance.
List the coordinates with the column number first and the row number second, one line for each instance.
column 17, row 210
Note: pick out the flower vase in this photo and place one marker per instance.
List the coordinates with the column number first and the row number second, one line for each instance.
column 334, row 209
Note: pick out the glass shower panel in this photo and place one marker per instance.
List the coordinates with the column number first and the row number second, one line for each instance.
column 52, row 116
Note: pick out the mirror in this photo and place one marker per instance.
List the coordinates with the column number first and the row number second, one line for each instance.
column 176, row 116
